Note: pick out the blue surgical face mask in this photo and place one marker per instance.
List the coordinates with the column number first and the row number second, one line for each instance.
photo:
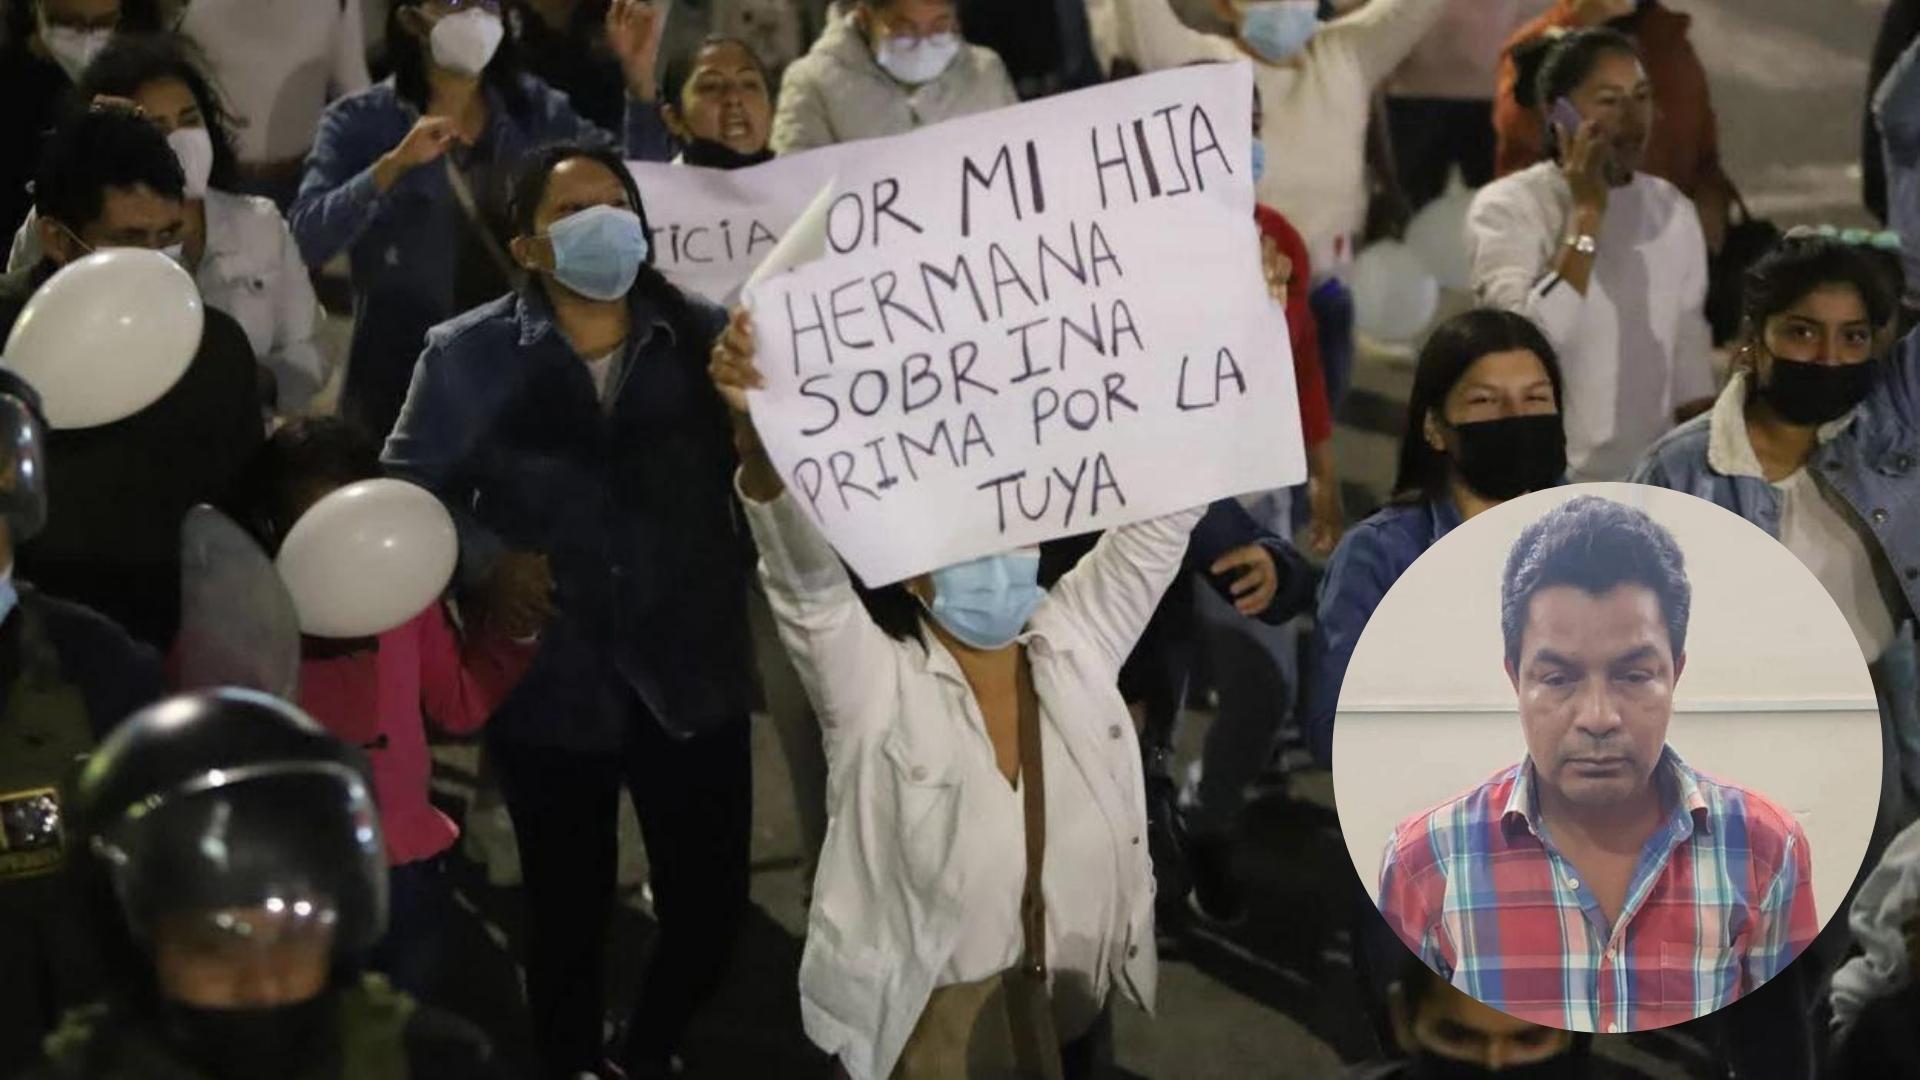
column 9, row 596
column 987, row 602
column 598, row 251
column 1259, row 160
column 1278, row 29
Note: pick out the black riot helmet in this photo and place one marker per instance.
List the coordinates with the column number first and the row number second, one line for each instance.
column 229, row 800
column 23, row 473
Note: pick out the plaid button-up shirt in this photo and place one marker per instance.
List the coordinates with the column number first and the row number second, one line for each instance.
column 1720, row 901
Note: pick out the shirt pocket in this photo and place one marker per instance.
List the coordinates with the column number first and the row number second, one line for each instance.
column 1695, row 978
column 926, row 803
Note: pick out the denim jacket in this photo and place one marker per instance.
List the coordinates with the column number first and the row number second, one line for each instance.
column 405, row 245
column 1870, row 461
column 631, row 502
column 1369, row 559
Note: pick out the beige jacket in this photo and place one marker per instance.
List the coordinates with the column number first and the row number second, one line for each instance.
column 838, row 93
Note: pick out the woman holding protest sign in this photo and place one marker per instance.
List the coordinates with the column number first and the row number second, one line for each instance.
column 571, row 431
column 961, row 710
column 886, row 67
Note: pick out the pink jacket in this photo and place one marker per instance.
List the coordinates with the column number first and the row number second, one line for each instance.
column 375, row 699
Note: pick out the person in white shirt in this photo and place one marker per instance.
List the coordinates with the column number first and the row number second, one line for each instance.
column 1609, row 261
column 919, row 690
column 279, row 63
column 886, row 67
column 237, row 247
column 1316, row 80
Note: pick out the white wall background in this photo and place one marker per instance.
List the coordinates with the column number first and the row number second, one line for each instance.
column 1775, row 697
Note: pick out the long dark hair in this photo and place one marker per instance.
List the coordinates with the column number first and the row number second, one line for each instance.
column 1798, row 265
column 130, row 62
column 1453, row 348
column 408, row 56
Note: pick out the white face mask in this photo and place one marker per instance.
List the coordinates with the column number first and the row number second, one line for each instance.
column 194, row 147
column 465, row 41
column 917, row 60
column 72, row 49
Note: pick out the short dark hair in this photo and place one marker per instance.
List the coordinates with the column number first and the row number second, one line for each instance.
column 1452, row 348
column 1799, row 265
column 1419, row 984
column 679, row 69
column 98, row 150
column 130, row 62
column 1594, row 545
column 307, row 450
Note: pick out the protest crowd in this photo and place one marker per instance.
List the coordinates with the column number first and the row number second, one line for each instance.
column 461, row 442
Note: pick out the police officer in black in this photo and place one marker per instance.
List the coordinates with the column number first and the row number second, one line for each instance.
column 229, row 858
column 67, row 675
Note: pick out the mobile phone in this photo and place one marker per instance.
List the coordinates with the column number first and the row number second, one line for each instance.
column 1565, row 117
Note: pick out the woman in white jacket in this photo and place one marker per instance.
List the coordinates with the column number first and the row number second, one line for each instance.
column 918, row 690
column 237, row 247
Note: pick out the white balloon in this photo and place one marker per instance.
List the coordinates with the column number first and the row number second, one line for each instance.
column 1438, row 234
column 1394, row 297
column 367, row 558
column 107, row 335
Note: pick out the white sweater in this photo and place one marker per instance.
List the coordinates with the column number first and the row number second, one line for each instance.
column 1316, row 110
column 1637, row 344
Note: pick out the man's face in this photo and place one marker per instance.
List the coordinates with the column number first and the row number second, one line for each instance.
column 129, row 217
column 242, row 958
column 1449, row 1024
column 1595, row 685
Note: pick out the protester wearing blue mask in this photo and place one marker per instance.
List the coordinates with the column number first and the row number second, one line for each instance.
column 570, row 430
column 945, row 702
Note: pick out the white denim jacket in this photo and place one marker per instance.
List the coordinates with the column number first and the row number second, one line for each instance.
column 886, row 911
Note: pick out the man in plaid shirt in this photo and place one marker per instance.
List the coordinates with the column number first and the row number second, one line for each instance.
column 1600, row 884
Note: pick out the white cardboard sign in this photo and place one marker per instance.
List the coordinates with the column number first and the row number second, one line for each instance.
column 1031, row 323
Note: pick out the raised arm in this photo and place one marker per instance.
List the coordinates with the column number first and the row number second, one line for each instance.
column 1156, row 39
column 1505, row 238
column 1896, row 107
column 1380, row 34
column 1114, row 589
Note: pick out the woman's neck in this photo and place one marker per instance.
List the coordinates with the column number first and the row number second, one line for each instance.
column 1781, row 447
column 592, row 326
column 990, row 672
column 456, row 97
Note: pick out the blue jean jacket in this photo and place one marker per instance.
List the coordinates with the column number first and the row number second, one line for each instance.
column 1369, row 559
column 1871, row 466
column 405, row 246
column 632, row 503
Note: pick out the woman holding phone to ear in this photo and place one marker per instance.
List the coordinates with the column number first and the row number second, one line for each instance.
column 1609, row 261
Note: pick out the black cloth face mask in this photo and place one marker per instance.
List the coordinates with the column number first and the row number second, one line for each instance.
column 709, row 154
column 1504, row 458
column 1806, row 393
column 239, row 1044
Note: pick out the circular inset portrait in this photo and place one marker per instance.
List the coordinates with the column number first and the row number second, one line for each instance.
column 1608, row 757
